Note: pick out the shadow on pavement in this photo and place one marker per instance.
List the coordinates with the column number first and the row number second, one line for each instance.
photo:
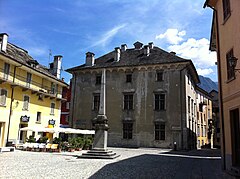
column 200, row 152
column 157, row 166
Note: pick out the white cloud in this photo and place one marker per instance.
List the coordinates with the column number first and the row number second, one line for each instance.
column 197, row 51
column 172, row 36
column 108, row 35
column 204, row 72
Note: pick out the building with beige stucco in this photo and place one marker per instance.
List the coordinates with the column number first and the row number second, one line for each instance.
column 225, row 41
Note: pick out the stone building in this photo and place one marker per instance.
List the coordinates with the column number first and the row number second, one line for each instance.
column 147, row 93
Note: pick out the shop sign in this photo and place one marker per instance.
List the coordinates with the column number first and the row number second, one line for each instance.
column 51, row 122
column 25, row 118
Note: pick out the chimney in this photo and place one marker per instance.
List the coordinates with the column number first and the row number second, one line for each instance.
column 173, row 53
column 123, row 47
column 146, row 50
column 57, row 66
column 90, row 59
column 117, row 54
column 151, row 45
column 3, row 42
column 138, row 45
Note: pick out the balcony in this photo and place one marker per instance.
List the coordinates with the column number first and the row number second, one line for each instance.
column 40, row 89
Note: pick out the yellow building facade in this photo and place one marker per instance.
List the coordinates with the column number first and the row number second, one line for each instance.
column 204, row 119
column 30, row 94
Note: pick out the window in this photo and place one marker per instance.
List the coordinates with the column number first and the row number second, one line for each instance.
column 198, row 131
column 96, row 102
column 3, row 97
column 67, row 118
column 98, row 79
column 29, row 79
column 127, row 130
column 189, row 105
column 67, row 105
column 128, row 101
column 192, row 106
column 52, row 108
column 53, row 88
column 56, row 88
column 25, row 102
column 38, row 117
column 129, row 78
column 230, row 70
column 226, row 9
column 160, row 131
column 159, row 101
column 159, row 76
column 6, row 70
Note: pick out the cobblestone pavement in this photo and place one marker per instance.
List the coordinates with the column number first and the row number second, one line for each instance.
column 133, row 163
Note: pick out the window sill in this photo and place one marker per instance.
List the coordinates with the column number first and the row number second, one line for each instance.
column 52, row 114
column 38, row 122
column 127, row 139
column 25, row 109
column 226, row 18
column 3, row 105
column 160, row 110
column 128, row 110
column 230, row 79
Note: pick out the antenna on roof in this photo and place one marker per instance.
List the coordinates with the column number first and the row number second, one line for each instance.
column 49, row 56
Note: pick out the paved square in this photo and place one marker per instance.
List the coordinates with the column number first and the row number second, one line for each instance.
column 133, row 163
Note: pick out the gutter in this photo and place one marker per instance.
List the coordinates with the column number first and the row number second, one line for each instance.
column 220, row 87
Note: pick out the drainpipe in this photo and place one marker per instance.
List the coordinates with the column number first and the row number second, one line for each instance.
column 220, row 90
column 12, row 99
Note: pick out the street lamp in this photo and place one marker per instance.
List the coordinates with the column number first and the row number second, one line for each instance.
column 233, row 63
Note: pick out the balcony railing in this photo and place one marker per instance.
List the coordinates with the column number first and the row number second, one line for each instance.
column 36, row 87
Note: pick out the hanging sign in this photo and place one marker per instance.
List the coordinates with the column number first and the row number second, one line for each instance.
column 25, row 118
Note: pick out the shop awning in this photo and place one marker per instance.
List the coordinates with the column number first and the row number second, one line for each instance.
column 57, row 130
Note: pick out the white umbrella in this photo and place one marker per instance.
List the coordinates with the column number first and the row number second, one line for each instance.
column 57, row 129
column 78, row 131
column 33, row 128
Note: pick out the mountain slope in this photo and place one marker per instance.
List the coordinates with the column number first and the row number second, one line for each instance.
column 207, row 84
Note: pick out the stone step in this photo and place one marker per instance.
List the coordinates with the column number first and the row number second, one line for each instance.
column 100, row 151
column 7, row 149
column 99, row 154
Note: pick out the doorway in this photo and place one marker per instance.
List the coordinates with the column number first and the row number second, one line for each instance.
column 235, row 133
column 23, row 134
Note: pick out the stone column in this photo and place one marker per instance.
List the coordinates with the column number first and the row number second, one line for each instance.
column 99, row 150
column 101, row 125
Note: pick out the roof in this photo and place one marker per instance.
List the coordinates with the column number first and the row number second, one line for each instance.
column 21, row 56
column 198, row 88
column 136, row 57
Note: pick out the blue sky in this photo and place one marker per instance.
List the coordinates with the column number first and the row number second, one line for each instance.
column 71, row 28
